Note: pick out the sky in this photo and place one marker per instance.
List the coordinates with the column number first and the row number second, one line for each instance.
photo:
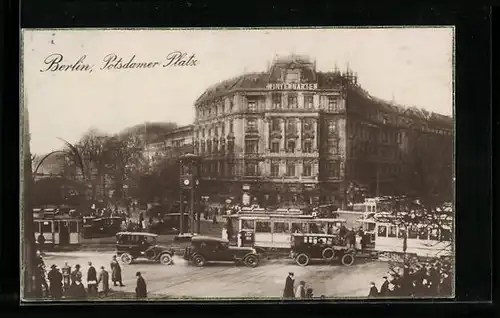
column 413, row 66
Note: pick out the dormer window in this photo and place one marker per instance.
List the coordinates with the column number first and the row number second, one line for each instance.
column 292, row 76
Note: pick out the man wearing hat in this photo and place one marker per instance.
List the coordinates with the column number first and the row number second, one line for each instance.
column 103, row 281
column 55, row 279
column 76, row 275
column 141, row 290
column 91, row 280
column 289, row 288
column 373, row 291
column 385, row 287
column 66, row 273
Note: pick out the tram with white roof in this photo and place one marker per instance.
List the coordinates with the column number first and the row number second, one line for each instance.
column 58, row 228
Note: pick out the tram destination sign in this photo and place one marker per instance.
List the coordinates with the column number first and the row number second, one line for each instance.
column 292, row 86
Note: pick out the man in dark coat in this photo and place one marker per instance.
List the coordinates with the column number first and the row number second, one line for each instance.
column 373, row 291
column 91, row 280
column 55, row 279
column 141, row 290
column 116, row 272
column 351, row 239
column 342, row 231
column 384, row 289
column 289, row 291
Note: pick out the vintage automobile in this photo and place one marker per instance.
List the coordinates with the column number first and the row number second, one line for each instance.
column 101, row 226
column 327, row 247
column 133, row 245
column 206, row 249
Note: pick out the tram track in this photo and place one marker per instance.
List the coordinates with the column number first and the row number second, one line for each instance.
column 199, row 273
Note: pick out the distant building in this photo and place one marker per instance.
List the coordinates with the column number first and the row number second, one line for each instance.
column 169, row 145
column 296, row 135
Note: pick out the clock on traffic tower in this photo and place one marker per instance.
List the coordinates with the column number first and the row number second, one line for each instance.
column 189, row 200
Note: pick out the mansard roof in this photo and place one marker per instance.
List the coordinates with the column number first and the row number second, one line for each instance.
column 408, row 111
column 325, row 80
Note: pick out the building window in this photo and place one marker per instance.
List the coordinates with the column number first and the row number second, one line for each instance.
column 290, row 169
column 290, row 146
column 231, row 104
column 230, row 146
column 251, row 125
column 252, row 106
column 333, row 146
column 203, row 133
column 231, row 126
column 277, row 101
column 275, row 125
column 292, row 101
column 307, row 146
column 332, row 104
column 210, row 132
column 251, row 169
column 307, row 169
column 275, row 169
column 209, row 146
column 291, row 126
column 275, row 147
column 251, row 146
column 333, row 168
column 223, row 129
column 332, row 127
column 292, row 76
column 308, row 102
column 308, row 126
column 223, row 145
column 230, row 169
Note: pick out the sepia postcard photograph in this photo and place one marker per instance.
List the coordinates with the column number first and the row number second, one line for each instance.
column 237, row 164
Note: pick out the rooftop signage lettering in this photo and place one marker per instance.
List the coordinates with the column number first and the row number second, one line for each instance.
column 292, row 86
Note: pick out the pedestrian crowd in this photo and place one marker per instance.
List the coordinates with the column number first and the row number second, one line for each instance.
column 299, row 292
column 67, row 283
column 421, row 280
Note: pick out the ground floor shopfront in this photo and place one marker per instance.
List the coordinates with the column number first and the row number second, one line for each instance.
column 274, row 194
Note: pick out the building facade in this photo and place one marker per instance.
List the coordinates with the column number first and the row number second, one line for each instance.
column 293, row 135
column 170, row 145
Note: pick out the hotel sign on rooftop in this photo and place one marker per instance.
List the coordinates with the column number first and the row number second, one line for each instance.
column 292, row 86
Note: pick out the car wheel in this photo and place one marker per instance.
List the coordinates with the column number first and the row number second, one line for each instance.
column 251, row 261
column 126, row 258
column 166, row 259
column 348, row 259
column 199, row 260
column 328, row 254
column 302, row 259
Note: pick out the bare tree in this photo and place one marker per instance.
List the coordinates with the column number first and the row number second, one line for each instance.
column 90, row 150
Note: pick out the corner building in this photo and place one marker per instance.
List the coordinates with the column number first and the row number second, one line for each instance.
column 284, row 136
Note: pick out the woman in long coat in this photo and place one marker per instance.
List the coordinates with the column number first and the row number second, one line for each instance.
column 116, row 272
column 103, row 281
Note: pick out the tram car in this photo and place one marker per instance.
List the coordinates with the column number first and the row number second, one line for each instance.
column 270, row 232
column 57, row 229
column 423, row 240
